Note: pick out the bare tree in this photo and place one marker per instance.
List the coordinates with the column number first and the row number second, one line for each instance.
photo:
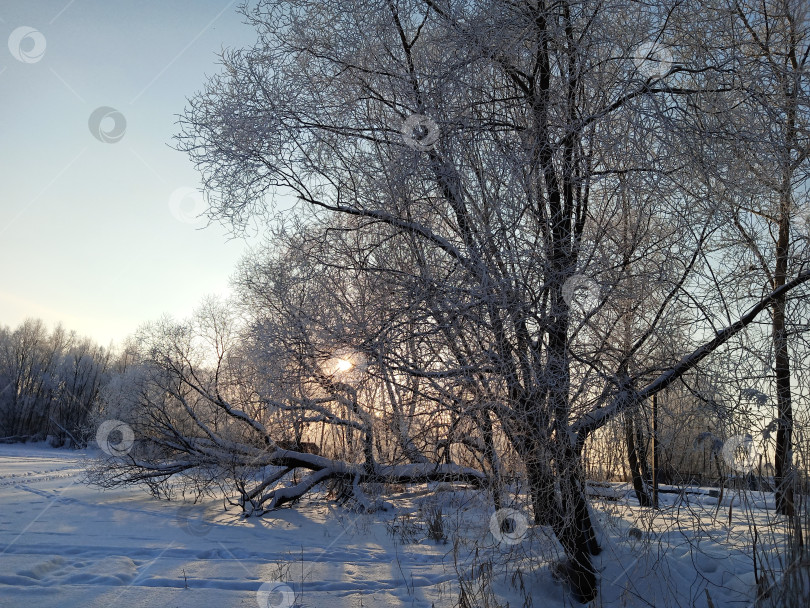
column 488, row 139
column 768, row 123
column 49, row 383
column 221, row 405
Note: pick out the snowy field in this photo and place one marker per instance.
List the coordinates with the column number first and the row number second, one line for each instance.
column 64, row 543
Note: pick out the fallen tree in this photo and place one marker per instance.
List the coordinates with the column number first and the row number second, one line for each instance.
column 269, row 491
column 200, row 426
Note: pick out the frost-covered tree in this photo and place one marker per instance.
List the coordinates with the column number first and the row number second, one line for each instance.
column 487, row 150
column 762, row 132
column 49, row 383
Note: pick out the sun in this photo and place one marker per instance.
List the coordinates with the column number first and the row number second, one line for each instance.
column 343, row 365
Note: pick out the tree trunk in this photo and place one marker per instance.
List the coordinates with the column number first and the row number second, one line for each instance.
column 784, row 429
column 574, row 528
column 656, row 474
column 541, row 488
column 491, row 457
column 633, row 460
column 566, row 513
column 643, row 458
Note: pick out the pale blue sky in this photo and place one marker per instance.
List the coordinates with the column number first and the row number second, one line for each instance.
column 87, row 233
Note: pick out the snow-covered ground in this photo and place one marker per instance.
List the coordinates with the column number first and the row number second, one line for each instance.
column 64, row 543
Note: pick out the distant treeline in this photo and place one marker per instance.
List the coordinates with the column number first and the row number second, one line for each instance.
column 50, row 384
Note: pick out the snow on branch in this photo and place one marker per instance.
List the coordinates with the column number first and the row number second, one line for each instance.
column 628, row 398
